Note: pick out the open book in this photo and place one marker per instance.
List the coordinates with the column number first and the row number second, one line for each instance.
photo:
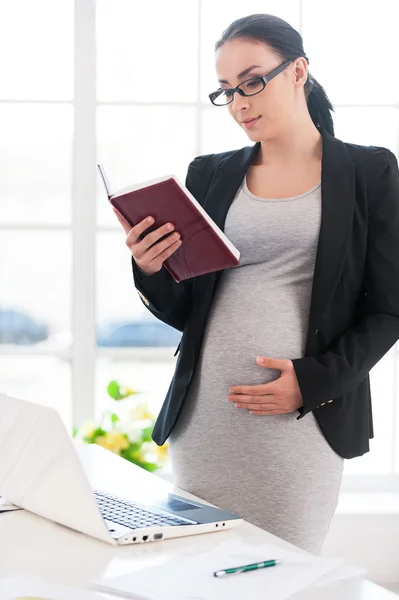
column 204, row 249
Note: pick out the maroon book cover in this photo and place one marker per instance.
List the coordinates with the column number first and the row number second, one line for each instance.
column 204, row 249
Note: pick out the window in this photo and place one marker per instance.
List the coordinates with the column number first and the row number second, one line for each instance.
column 65, row 270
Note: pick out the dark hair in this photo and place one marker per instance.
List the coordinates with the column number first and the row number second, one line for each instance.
column 288, row 44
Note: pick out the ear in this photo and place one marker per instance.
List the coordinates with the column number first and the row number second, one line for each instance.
column 300, row 72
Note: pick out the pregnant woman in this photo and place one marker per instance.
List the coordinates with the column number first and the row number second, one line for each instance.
column 315, row 295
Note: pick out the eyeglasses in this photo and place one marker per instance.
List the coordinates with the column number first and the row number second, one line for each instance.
column 249, row 87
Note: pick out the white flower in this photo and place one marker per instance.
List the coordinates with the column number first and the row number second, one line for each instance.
column 88, row 427
column 141, row 412
column 130, row 429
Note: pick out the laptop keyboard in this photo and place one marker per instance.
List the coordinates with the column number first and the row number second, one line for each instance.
column 129, row 514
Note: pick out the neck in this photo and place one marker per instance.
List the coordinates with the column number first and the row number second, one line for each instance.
column 300, row 143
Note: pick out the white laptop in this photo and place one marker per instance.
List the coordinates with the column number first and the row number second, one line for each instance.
column 43, row 471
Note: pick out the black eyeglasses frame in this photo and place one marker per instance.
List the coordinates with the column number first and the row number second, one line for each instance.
column 265, row 80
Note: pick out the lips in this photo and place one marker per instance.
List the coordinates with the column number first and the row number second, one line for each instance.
column 250, row 122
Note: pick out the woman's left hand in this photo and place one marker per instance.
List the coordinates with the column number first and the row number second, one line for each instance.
column 282, row 395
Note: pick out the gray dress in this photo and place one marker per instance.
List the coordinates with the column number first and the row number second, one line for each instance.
column 275, row 471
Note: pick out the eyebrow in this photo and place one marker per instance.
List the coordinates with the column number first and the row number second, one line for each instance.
column 242, row 74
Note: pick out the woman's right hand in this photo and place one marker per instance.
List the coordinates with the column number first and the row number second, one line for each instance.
column 147, row 253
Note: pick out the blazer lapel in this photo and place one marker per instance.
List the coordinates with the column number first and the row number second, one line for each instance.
column 338, row 199
column 338, row 190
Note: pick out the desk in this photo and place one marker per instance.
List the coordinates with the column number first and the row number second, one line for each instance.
column 33, row 546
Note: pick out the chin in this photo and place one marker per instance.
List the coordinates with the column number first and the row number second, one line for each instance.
column 256, row 136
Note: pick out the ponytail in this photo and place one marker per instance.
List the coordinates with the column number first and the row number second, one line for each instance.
column 319, row 107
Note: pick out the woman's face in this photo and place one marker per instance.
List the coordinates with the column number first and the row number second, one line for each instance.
column 276, row 105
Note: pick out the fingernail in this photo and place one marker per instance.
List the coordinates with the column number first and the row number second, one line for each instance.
column 150, row 220
column 259, row 359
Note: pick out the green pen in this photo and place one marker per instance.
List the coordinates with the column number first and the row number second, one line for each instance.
column 244, row 568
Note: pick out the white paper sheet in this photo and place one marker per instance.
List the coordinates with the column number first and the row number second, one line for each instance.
column 14, row 588
column 340, row 573
column 191, row 577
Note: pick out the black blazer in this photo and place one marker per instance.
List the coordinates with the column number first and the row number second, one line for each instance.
column 354, row 310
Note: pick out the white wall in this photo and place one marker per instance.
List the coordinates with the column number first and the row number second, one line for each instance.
column 367, row 540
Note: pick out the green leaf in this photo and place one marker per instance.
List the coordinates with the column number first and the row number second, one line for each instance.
column 75, row 431
column 151, row 466
column 114, row 418
column 95, row 434
column 146, row 433
column 129, row 453
column 114, row 390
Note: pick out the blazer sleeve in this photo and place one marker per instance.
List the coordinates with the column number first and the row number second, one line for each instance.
column 167, row 300
column 353, row 355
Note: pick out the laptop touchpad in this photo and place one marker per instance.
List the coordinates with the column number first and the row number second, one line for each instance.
column 176, row 505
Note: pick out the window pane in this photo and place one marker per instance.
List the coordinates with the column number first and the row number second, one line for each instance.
column 396, row 421
column 368, row 126
column 353, row 49
column 46, row 380
column 137, row 143
column 147, row 51
column 378, row 460
column 116, row 295
column 217, row 16
column 35, row 276
column 35, row 154
column 122, row 318
column 219, row 131
column 36, row 41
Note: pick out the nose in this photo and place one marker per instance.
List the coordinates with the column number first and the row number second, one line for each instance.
column 239, row 102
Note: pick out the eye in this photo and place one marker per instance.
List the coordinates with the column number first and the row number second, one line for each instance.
column 253, row 86
column 227, row 93
column 253, row 83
